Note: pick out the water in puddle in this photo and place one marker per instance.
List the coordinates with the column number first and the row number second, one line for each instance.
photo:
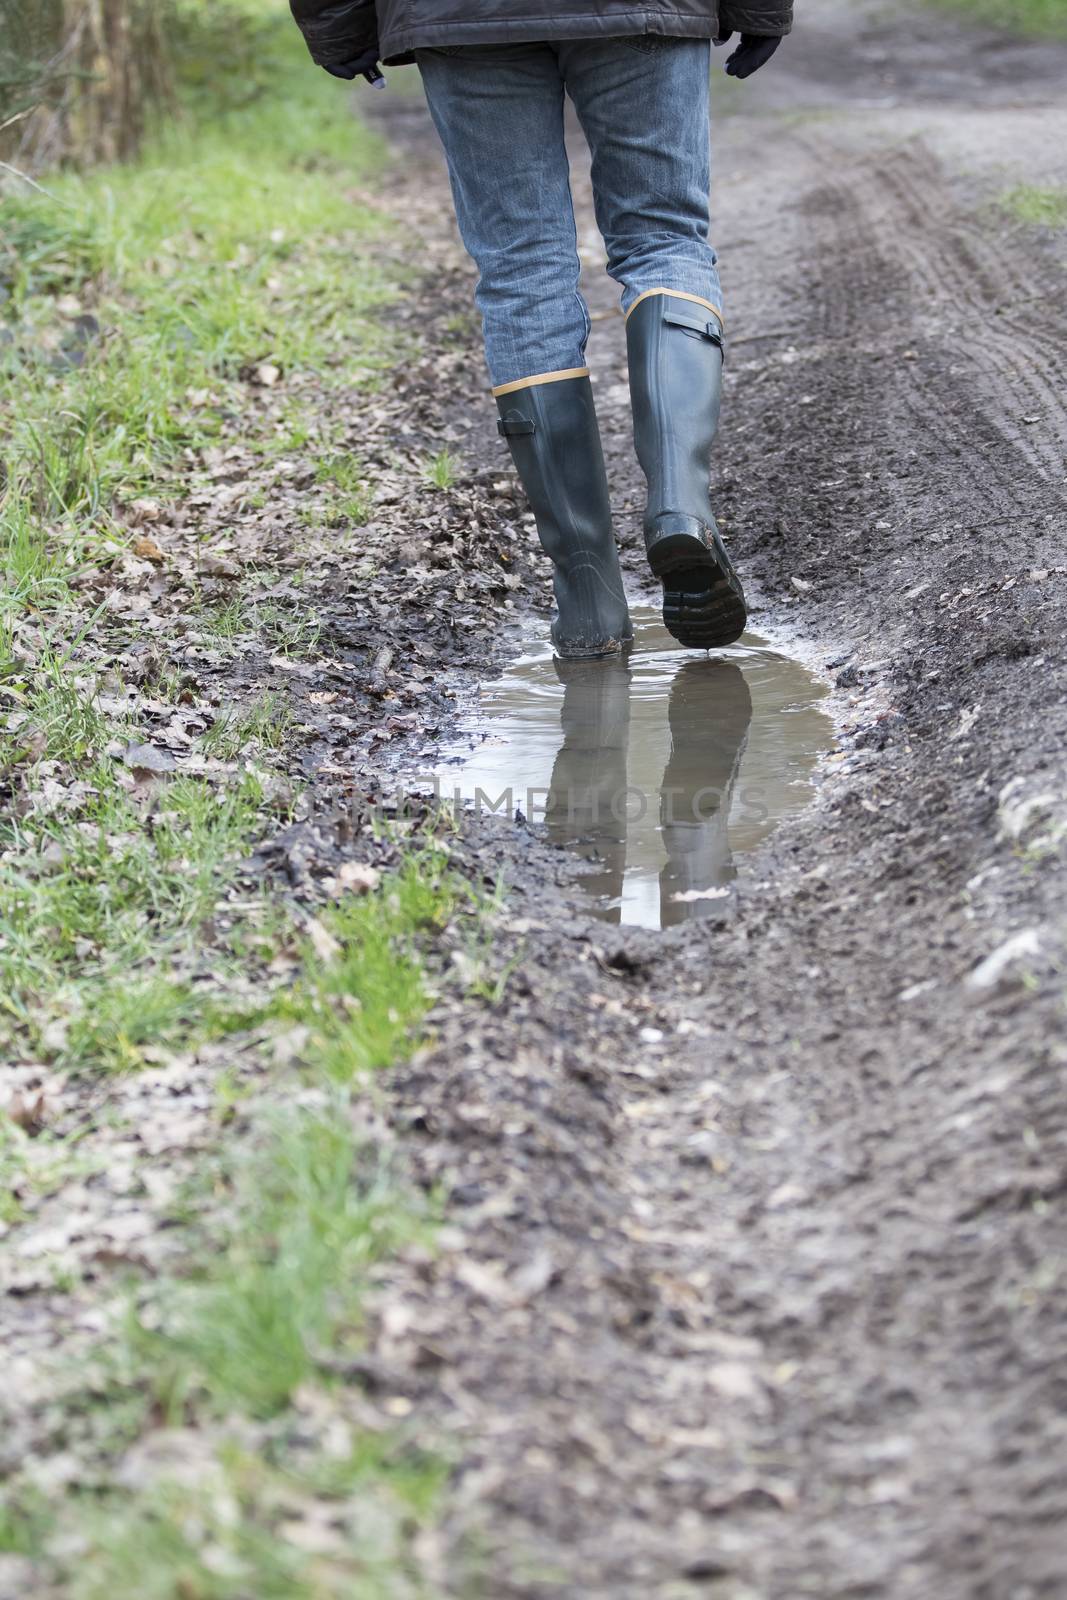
column 661, row 769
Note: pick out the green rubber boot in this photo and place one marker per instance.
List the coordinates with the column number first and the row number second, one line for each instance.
column 552, row 432
column 675, row 355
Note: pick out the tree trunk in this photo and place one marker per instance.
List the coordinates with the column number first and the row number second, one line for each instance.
column 79, row 80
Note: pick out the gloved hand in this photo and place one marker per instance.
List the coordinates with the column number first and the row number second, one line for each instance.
column 352, row 69
column 754, row 51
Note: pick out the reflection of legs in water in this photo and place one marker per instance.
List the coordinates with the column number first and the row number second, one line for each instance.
column 709, row 711
column 586, row 804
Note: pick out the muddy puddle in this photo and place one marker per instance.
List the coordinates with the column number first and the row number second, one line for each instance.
column 663, row 770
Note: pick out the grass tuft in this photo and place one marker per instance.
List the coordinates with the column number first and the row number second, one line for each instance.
column 441, row 470
column 263, row 725
column 270, row 1308
column 361, row 1003
column 94, row 915
column 314, row 1210
column 1040, row 208
column 127, row 289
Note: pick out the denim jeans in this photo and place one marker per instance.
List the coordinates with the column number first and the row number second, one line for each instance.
column 642, row 102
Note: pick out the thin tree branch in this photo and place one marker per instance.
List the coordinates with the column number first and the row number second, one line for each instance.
column 31, row 181
column 11, row 121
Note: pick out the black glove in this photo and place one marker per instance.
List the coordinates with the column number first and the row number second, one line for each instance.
column 352, row 69
column 754, row 51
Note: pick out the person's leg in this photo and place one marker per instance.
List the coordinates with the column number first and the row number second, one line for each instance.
column 499, row 112
column 643, row 104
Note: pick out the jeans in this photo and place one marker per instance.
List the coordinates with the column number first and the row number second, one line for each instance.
column 642, row 102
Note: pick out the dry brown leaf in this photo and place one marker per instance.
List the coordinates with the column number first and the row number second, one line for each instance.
column 358, row 877
column 146, row 549
column 145, row 510
column 323, row 942
column 146, row 758
column 28, row 1112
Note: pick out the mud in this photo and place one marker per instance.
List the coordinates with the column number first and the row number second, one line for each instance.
column 755, row 1282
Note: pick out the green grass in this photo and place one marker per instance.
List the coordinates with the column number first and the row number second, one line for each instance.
column 1041, row 208
column 348, row 497
column 266, row 1310
column 31, row 1167
column 280, row 629
column 359, row 1008
column 1042, row 17
column 132, row 933
column 57, row 717
column 441, row 469
column 312, row 1213
column 216, row 1539
column 97, row 919
column 194, row 263
column 231, row 242
column 262, row 725
column 34, row 560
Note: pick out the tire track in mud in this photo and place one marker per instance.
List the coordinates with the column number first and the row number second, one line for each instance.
column 766, row 1213
column 953, row 289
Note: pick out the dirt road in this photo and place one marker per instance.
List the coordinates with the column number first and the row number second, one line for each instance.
column 757, row 1280
column 753, row 1280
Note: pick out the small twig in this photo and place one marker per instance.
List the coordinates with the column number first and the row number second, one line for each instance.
column 11, row 121
column 380, row 670
column 31, row 181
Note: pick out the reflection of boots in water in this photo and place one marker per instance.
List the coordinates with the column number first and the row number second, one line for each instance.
column 586, row 807
column 709, row 712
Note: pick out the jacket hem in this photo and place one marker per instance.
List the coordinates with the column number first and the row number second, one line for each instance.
column 399, row 44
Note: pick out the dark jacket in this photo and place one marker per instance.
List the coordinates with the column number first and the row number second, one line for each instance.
column 340, row 30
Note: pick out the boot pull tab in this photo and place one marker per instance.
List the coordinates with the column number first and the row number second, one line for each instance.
column 706, row 329
column 515, row 423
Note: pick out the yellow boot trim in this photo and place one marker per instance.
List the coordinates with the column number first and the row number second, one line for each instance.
column 679, row 294
column 542, row 377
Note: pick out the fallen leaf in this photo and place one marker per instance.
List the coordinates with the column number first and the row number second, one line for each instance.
column 733, row 1380
column 145, row 510
column 219, row 567
column 535, row 1275
column 148, row 550
column 1020, row 948
column 28, row 1112
column 358, row 876
column 323, row 942
column 146, row 758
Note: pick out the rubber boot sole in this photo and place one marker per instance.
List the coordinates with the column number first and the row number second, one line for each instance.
column 703, row 602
